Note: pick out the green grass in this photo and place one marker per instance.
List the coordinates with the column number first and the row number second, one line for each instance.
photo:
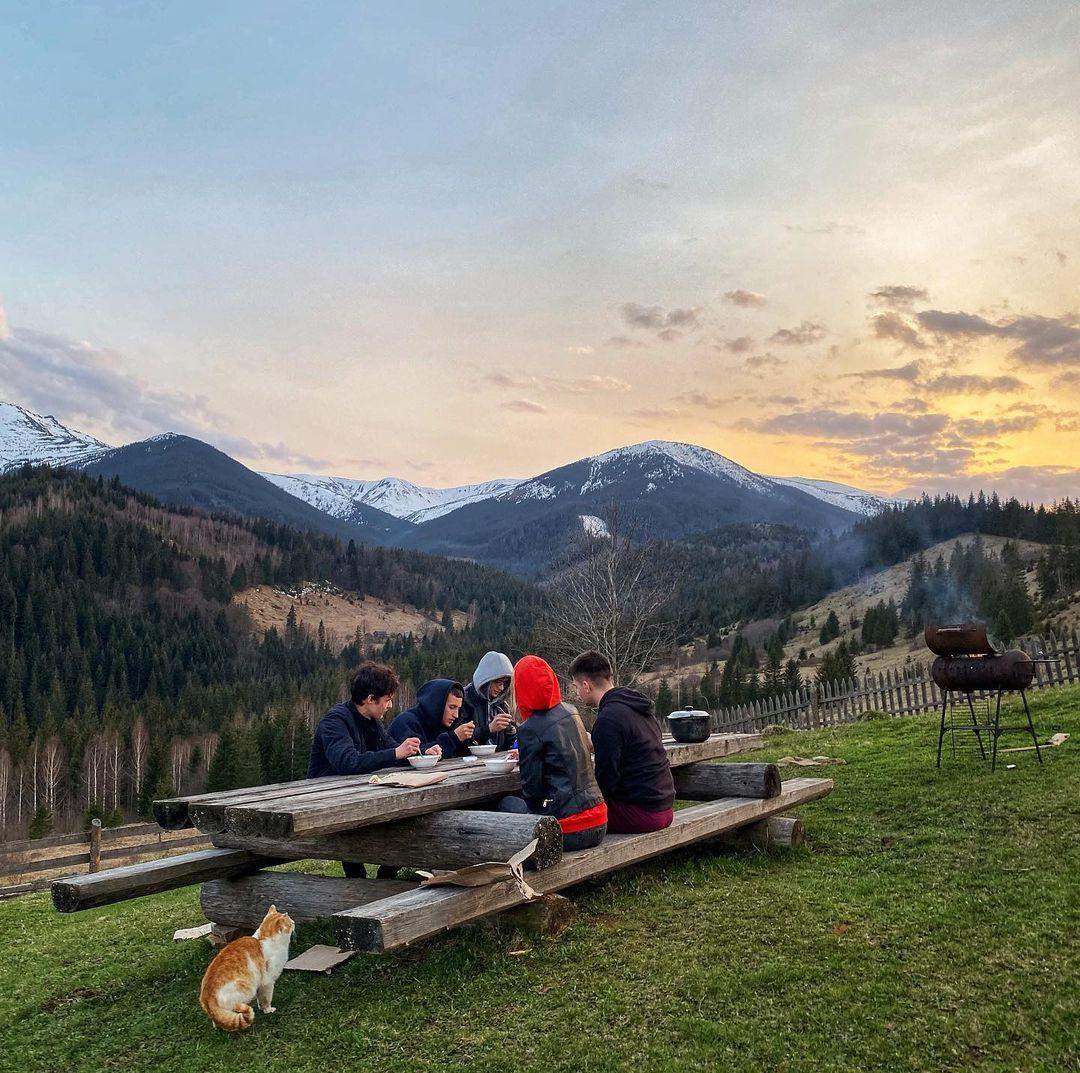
column 931, row 925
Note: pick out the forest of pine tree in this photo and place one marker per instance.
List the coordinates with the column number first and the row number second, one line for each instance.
column 125, row 674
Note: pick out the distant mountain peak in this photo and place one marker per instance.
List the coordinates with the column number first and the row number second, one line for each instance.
column 40, row 439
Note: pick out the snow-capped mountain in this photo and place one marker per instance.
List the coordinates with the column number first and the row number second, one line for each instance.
column 663, row 489
column 40, row 439
column 414, row 503
column 839, row 495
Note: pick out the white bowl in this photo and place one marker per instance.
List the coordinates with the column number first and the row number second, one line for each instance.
column 499, row 765
column 482, row 750
column 423, row 761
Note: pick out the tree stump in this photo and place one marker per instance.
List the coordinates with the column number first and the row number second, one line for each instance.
column 547, row 917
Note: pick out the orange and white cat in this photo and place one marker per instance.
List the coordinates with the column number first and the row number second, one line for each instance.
column 246, row 969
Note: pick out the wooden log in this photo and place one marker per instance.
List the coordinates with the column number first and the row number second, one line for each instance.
column 546, row 917
column 135, row 880
column 777, row 832
column 426, row 911
column 242, row 902
column 451, row 839
column 708, row 782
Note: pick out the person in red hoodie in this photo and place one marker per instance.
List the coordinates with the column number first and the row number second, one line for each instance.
column 557, row 776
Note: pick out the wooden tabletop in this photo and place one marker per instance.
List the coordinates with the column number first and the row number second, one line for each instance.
column 341, row 803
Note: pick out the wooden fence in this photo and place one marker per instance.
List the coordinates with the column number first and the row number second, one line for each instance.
column 903, row 691
column 31, row 863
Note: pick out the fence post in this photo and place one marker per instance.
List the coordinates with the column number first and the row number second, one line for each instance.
column 95, row 844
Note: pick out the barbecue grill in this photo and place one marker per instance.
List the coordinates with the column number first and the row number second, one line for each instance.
column 970, row 662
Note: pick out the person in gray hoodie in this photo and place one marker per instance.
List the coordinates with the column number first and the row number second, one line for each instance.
column 487, row 702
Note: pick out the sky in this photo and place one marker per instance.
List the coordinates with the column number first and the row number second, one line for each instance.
column 451, row 242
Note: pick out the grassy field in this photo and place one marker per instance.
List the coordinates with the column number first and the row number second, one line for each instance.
column 932, row 924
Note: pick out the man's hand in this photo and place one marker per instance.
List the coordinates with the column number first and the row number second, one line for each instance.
column 500, row 722
column 409, row 747
column 465, row 731
column 435, row 750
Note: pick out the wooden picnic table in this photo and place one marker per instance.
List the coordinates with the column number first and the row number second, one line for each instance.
column 440, row 826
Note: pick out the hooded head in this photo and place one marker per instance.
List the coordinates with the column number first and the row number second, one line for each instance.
column 536, row 686
column 494, row 665
column 431, row 703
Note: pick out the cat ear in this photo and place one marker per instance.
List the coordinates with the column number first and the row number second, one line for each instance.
column 272, row 909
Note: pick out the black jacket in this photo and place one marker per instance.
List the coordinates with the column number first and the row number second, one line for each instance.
column 348, row 743
column 424, row 720
column 632, row 764
column 557, row 776
column 481, row 711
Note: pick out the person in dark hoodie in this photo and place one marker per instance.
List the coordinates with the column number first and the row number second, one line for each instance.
column 557, row 777
column 487, row 702
column 632, row 764
column 434, row 719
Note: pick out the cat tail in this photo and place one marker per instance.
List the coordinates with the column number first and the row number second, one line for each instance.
column 231, row 1020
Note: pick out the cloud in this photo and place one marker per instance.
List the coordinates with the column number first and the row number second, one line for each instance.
column 806, row 333
column 89, row 387
column 1041, row 341
column 655, row 413
column 901, row 443
column 625, row 342
column 5, row 331
column 1062, row 257
column 761, row 361
column 736, row 346
column 655, row 318
column 892, row 326
column 746, row 299
column 898, row 296
column 669, row 335
column 509, row 380
column 910, row 373
column 1067, row 381
column 581, row 351
column 830, row 227
column 525, row 406
column 973, row 384
column 587, row 385
column 1029, row 484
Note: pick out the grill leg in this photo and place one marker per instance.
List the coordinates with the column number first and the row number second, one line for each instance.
column 941, row 732
column 1031, row 726
column 975, row 724
column 996, row 732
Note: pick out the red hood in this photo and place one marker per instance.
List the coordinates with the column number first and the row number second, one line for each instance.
column 535, row 686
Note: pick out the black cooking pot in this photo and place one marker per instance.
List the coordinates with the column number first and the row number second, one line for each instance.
column 690, row 725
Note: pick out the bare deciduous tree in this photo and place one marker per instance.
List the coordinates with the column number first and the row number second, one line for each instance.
column 5, row 786
column 53, row 768
column 612, row 594
column 179, row 755
column 140, row 754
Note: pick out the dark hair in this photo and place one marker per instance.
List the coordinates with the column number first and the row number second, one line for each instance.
column 373, row 680
column 592, row 665
column 456, row 691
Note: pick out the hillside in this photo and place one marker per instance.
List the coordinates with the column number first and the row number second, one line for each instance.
column 120, row 635
column 342, row 614
column 914, row 883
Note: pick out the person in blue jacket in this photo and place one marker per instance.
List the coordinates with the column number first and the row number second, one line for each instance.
column 350, row 739
column 433, row 717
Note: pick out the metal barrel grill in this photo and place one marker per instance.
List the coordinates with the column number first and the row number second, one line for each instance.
column 970, row 662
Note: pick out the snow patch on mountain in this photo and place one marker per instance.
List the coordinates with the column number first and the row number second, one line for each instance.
column 401, row 498
column 594, row 526
column 40, row 439
column 661, row 460
column 838, row 495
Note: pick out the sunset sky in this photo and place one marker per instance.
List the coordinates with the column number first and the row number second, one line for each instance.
column 453, row 241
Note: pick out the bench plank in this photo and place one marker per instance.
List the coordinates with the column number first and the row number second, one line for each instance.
column 426, row 911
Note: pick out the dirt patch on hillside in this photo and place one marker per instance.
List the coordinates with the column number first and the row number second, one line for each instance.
column 341, row 613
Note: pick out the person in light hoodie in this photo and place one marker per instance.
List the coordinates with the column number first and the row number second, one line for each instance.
column 487, row 702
